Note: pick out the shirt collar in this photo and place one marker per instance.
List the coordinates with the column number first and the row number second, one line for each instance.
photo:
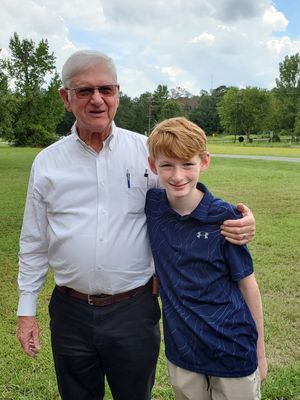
column 108, row 142
column 200, row 212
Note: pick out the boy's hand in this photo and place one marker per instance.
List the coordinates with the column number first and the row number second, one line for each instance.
column 240, row 231
column 263, row 368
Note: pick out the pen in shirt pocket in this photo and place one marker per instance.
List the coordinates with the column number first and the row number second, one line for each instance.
column 146, row 175
column 128, row 178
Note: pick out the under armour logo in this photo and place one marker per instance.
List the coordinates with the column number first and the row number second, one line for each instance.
column 202, row 235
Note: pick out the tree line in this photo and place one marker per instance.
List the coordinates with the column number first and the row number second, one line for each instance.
column 32, row 114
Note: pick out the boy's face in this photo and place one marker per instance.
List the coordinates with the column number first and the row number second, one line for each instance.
column 179, row 177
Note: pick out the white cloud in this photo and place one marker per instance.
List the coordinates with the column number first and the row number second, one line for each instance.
column 283, row 46
column 204, row 37
column 171, row 72
column 226, row 28
column 275, row 19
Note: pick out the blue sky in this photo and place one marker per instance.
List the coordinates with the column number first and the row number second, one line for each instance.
column 192, row 44
column 291, row 9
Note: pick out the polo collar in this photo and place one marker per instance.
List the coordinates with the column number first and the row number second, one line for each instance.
column 200, row 212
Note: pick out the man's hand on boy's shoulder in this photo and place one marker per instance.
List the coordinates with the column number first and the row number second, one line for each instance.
column 240, row 231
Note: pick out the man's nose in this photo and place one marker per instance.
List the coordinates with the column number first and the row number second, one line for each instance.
column 97, row 96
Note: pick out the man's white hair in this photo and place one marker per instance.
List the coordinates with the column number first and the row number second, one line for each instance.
column 81, row 60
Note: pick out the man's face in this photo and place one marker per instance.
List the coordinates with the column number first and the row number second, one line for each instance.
column 96, row 112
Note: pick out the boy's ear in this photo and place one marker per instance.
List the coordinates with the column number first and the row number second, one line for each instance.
column 205, row 161
column 152, row 165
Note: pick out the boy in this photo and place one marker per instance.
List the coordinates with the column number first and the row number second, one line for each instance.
column 212, row 313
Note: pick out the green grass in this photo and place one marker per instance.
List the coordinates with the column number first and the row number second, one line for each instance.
column 271, row 189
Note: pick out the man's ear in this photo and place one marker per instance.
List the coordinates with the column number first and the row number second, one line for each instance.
column 152, row 165
column 65, row 98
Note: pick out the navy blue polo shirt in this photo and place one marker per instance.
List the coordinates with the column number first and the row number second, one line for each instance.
column 208, row 327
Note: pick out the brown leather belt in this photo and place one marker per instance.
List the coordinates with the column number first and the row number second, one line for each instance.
column 104, row 299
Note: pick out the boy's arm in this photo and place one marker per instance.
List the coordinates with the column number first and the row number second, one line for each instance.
column 250, row 291
column 240, row 231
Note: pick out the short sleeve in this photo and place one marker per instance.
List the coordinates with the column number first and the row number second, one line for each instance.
column 239, row 261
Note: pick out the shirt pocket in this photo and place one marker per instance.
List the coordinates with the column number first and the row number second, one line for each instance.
column 134, row 188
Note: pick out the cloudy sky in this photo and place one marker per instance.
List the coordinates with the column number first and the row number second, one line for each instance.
column 194, row 44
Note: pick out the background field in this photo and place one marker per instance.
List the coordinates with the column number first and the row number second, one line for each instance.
column 271, row 189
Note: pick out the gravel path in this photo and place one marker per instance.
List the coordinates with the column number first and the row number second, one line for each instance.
column 270, row 158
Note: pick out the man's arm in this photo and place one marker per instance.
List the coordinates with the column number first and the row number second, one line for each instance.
column 240, row 231
column 28, row 333
column 250, row 291
column 33, row 267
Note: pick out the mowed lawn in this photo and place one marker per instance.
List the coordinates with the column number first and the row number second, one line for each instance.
column 270, row 188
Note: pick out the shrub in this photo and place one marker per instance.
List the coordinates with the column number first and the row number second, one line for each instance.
column 33, row 136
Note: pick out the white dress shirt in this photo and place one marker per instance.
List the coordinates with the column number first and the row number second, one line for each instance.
column 84, row 216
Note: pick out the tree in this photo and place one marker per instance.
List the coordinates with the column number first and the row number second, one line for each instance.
column 205, row 114
column 288, row 89
column 158, row 99
column 289, row 73
column 171, row 109
column 65, row 125
column 26, row 70
column 48, row 108
column 125, row 116
column 8, row 105
column 244, row 110
column 179, row 93
column 142, row 113
column 297, row 127
column 29, row 64
column 275, row 116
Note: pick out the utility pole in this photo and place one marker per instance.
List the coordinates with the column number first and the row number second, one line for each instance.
column 149, row 115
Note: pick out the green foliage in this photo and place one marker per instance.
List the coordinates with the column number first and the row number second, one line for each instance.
column 205, row 114
column 244, row 110
column 48, row 110
column 276, row 113
column 297, row 125
column 28, row 64
column 33, row 136
column 142, row 113
column 170, row 109
column 29, row 103
column 8, row 105
column 288, row 89
column 125, row 116
column 158, row 99
column 289, row 73
column 65, row 125
column 142, row 118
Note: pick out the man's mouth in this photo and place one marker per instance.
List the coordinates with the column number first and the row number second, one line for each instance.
column 97, row 112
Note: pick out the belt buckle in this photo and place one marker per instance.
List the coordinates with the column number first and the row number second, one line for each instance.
column 90, row 300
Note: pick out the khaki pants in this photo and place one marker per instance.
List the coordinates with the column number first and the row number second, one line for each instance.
column 189, row 385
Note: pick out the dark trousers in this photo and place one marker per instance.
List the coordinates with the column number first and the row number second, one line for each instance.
column 119, row 342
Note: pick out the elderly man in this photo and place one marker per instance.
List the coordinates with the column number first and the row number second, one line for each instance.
column 84, row 217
